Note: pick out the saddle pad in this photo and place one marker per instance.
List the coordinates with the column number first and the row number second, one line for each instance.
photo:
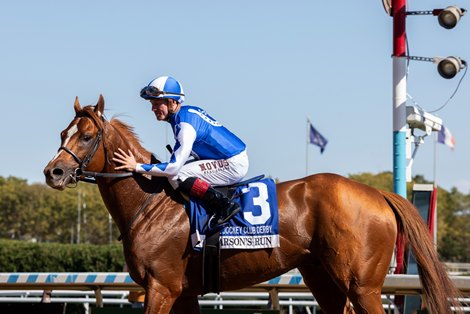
column 255, row 226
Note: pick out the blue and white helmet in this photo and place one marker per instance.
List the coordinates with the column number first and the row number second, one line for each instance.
column 163, row 87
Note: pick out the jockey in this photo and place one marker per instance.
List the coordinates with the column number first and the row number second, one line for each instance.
column 220, row 157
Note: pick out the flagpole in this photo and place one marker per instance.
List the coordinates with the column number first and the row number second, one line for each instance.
column 435, row 189
column 434, row 170
column 306, row 146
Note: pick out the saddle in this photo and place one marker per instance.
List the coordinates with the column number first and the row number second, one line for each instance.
column 211, row 249
column 228, row 190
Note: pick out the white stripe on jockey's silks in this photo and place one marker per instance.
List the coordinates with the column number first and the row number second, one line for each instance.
column 205, row 117
column 160, row 82
column 70, row 133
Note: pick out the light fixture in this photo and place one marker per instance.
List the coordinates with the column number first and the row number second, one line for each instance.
column 417, row 118
column 450, row 16
column 450, row 66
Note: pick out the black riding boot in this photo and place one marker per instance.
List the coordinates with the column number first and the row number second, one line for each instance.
column 224, row 208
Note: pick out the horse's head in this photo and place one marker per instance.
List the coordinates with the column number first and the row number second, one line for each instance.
column 82, row 147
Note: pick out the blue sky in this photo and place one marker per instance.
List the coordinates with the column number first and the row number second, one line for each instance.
column 260, row 67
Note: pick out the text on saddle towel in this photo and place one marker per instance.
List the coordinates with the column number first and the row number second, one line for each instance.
column 255, row 226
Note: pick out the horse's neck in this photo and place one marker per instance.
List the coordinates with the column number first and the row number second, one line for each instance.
column 125, row 197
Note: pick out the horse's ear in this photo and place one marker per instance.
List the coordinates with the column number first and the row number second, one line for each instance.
column 99, row 108
column 77, row 106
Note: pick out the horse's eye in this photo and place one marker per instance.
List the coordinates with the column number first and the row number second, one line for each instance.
column 86, row 137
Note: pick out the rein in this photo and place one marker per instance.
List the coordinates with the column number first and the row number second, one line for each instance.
column 80, row 174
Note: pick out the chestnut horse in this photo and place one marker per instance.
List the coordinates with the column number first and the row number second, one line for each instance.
column 340, row 234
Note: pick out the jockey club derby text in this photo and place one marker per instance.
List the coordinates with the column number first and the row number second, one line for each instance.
column 247, row 230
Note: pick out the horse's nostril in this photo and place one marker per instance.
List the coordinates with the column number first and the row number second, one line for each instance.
column 57, row 172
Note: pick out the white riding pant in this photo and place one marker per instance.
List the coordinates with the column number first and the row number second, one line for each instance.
column 215, row 172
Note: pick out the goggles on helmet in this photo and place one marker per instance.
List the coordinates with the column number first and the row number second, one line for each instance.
column 150, row 92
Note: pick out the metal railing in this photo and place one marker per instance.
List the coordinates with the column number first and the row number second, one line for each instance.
column 101, row 286
column 289, row 301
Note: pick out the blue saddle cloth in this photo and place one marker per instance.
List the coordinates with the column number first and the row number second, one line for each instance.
column 255, row 226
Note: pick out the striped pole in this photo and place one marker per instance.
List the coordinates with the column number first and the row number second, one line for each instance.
column 399, row 120
column 399, row 97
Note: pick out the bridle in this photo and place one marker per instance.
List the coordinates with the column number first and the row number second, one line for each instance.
column 80, row 174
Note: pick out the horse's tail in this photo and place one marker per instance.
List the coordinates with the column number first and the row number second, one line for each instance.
column 439, row 291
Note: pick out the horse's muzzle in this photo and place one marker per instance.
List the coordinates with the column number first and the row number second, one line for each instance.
column 59, row 177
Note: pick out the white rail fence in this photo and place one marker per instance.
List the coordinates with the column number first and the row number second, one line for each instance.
column 287, row 300
column 286, row 291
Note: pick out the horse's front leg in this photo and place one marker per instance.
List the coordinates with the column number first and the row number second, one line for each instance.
column 159, row 299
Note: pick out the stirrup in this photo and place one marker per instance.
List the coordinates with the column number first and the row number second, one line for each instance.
column 232, row 213
column 216, row 222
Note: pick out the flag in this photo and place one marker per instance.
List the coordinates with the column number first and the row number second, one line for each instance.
column 445, row 137
column 316, row 138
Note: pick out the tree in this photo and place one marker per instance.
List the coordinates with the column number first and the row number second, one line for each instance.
column 453, row 222
column 381, row 181
column 39, row 213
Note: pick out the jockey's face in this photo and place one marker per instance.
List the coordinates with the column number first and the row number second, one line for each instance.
column 162, row 108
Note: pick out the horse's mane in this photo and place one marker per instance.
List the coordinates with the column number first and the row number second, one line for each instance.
column 124, row 130
column 127, row 132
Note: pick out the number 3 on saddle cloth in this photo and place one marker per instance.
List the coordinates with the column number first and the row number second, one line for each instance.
column 255, row 226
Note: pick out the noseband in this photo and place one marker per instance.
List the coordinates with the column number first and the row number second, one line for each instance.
column 80, row 174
